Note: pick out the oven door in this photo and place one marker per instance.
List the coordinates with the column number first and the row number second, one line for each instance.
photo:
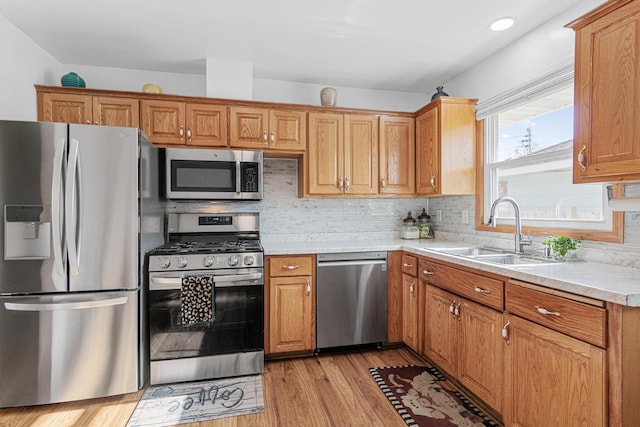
column 238, row 308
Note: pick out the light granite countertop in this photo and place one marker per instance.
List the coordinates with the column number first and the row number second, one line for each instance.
column 605, row 282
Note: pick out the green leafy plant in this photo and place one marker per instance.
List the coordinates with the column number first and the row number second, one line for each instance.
column 561, row 245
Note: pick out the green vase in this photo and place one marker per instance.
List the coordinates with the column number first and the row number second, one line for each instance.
column 72, row 80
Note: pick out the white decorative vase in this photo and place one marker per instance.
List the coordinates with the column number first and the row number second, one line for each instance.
column 328, row 96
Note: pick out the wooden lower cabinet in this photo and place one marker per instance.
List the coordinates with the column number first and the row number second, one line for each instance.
column 290, row 304
column 464, row 339
column 410, row 312
column 552, row 379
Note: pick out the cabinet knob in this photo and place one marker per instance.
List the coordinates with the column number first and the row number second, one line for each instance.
column 308, row 287
column 340, row 184
column 433, row 182
column 88, row 121
column 273, row 139
column 348, row 185
column 505, row 331
column 264, row 138
column 482, row 291
column 406, row 264
column 181, row 132
column 546, row 312
column 189, row 134
column 581, row 158
column 290, row 267
column 383, row 183
column 428, row 273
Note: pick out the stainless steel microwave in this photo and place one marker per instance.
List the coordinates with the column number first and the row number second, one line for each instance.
column 201, row 174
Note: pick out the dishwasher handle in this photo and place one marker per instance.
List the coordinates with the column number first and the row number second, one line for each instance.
column 354, row 262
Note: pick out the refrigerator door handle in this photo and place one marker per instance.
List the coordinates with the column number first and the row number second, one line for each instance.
column 72, row 305
column 70, row 206
column 56, row 214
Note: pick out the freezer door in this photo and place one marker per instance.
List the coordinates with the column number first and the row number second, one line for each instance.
column 32, row 157
column 58, row 348
column 101, row 205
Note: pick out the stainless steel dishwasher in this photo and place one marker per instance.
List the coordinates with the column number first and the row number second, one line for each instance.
column 351, row 299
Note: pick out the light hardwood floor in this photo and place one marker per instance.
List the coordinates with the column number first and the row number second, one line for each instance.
column 331, row 389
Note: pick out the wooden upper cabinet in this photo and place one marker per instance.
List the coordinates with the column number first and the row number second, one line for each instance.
column 264, row 129
column 65, row 107
column 111, row 111
column 397, row 155
column 360, row 154
column 427, row 152
column 206, row 125
column 164, row 121
column 446, row 147
column 86, row 109
column 325, row 164
column 185, row 123
column 607, row 94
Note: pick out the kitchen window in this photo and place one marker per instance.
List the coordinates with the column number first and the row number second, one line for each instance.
column 528, row 155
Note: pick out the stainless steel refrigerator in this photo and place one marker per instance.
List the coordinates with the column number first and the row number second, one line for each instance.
column 80, row 209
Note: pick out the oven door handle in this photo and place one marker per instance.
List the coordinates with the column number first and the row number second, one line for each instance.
column 238, row 280
column 170, row 283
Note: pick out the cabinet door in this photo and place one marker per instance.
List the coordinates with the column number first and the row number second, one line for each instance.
column 287, row 130
column 427, row 153
column 361, row 154
column 292, row 314
column 397, row 155
column 163, row 121
column 66, row 108
column 249, row 127
column 480, row 350
column 410, row 311
column 325, row 159
column 206, row 125
column 441, row 332
column 607, row 97
column 110, row 111
column 552, row 379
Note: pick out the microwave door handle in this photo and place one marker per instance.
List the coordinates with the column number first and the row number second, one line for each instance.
column 238, row 178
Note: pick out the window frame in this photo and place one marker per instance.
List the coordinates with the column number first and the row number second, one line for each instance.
column 615, row 235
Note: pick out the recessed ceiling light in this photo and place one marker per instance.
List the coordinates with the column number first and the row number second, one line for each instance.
column 502, row 24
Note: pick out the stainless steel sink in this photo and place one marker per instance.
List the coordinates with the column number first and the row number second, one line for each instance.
column 513, row 259
column 471, row 251
column 497, row 256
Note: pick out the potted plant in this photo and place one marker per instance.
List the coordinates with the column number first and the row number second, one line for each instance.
column 561, row 246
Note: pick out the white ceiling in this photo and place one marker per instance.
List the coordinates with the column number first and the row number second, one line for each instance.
column 402, row 45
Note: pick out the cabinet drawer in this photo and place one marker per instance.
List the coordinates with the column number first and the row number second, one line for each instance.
column 477, row 288
column 410, row 265
column 577, row 319
column 290, row 266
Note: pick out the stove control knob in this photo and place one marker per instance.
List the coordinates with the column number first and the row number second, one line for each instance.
column 182, row 262
column 249, row 260
column 208, row 261
column 164, row 262
column 234, row 260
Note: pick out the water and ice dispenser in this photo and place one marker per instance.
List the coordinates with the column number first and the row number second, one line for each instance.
column 27, row 232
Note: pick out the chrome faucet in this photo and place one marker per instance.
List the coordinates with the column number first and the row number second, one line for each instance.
column 520, row 240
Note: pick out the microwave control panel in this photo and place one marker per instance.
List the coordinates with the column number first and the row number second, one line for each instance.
column 249, row 177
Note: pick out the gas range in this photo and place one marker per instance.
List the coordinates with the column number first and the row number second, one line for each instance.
column 209, row 241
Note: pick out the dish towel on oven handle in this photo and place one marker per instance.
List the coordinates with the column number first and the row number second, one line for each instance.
column 196, row 300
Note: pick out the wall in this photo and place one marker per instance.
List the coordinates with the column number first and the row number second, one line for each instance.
column 284, row 217
column 23, row 64
column 309, row 94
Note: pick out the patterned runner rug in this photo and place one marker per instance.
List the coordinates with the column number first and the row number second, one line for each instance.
column 174, row 404
column 418, row 395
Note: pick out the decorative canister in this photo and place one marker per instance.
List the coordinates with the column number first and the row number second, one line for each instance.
column 426, row 232
column 328, row 96
column 439, row 93
column 72, row 80
column 409, row 229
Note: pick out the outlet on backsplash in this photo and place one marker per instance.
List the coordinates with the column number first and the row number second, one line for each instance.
column 438, row 216
column 465, row 216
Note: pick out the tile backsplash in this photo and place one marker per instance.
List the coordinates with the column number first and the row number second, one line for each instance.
column 284, row 217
